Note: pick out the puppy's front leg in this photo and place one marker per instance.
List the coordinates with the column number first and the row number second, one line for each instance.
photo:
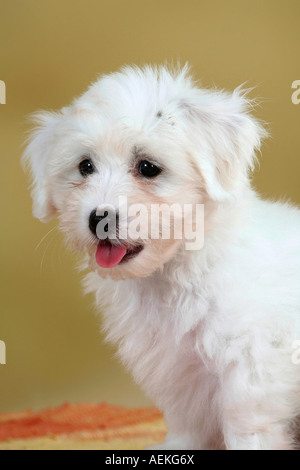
column 274, row 437
column 205, row 434
column 255, row 415
column 199, row 441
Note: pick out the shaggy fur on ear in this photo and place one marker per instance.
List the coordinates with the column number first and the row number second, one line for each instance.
column 225, row 138
column 36, row 158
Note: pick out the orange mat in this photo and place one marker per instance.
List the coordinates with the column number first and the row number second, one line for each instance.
column 83, row 426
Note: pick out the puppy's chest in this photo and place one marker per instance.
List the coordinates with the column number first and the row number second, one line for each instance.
column 160, row 359
column 159, row 331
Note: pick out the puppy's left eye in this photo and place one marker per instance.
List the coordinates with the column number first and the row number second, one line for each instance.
column 86, row 168
column 149, row 170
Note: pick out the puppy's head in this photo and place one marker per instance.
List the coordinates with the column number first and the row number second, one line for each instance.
column 142, row 138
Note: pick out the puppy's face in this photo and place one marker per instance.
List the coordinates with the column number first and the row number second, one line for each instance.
column 137, row 141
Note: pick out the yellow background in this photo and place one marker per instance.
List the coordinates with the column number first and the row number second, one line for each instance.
column 50, row 50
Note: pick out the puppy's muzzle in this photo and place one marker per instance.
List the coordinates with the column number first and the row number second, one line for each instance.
column 111, row 216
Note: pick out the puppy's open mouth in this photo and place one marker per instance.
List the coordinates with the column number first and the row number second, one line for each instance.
column 109, row 255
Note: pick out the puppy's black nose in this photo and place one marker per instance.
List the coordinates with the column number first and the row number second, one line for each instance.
column 95, row 219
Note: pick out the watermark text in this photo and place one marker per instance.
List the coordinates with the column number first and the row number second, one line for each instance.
column 2, row 353
column 2, row 92
column 296, row 94
column 154, row 221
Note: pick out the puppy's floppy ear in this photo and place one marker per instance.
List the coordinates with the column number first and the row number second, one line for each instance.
column 36, row 157
column 226, row 138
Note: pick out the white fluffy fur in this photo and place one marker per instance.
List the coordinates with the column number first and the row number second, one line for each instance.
column 207, row 334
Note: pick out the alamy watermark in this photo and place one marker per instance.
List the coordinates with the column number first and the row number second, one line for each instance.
column 296, row 94
column 296, row 354
column 2, row 353
column 155, row 221
column 2, row 92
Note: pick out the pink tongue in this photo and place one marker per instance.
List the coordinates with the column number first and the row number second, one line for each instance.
column 108, row 255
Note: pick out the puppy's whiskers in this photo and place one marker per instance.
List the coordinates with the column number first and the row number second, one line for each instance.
column 44, row 237
column 50, row 241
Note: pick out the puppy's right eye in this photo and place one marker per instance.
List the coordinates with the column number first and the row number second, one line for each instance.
column 148, row 169
column 86, row 168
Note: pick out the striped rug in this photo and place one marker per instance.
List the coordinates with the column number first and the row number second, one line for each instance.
column 83, row 426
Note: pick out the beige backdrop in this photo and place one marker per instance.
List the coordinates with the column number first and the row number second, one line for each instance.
column 50, row 50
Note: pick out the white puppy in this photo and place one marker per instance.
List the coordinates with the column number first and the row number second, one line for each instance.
column 209, row 334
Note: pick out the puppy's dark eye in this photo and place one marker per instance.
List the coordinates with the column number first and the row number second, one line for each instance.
column 86, row 168
column 149, row 170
